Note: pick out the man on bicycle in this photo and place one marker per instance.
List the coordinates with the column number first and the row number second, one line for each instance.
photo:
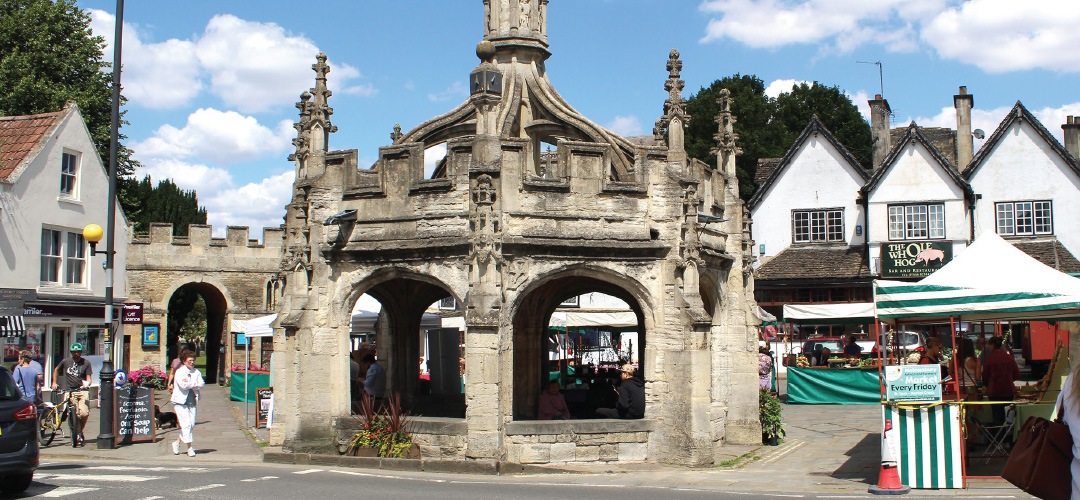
column 76, row 380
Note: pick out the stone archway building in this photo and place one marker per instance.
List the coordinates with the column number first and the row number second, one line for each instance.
column 238, row 278
column 510, row 231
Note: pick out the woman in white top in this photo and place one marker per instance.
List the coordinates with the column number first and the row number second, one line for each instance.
column 185, row 395
column 1069, row 410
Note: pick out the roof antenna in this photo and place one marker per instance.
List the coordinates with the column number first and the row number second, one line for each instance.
column 881, row 76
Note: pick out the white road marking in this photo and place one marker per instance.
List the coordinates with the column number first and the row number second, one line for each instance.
column 264, row 478
column 202, row 488
column 58, row 492
column 153, row 498
column 128, row 468
column 309, row 471
column 96, row 477
column 387, row 476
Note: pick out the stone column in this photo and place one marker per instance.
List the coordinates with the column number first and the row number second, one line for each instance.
column 965, row 145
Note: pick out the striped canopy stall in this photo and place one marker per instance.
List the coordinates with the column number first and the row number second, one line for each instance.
column 927, row 444
column 12, row 326
column 990, row 280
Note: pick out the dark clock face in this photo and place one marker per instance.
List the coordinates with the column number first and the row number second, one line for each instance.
column 486, row 82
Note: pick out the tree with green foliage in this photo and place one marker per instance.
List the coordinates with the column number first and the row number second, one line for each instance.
column 49, row 56
column 164, row 203
column 768, row 127
column 835, row 110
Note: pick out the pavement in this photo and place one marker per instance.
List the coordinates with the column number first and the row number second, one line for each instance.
column 828, row 450
column 219, row 436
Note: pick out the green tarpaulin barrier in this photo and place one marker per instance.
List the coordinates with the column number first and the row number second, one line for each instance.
column 844, row 386
column 256, row 380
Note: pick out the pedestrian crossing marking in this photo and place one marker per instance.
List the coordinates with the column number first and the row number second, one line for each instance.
column 203, row 488
column 126, row 468
column 63, row 491
column 96, row 477
column 264, row 478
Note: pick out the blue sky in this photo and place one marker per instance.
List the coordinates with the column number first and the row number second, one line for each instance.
column 211, row 86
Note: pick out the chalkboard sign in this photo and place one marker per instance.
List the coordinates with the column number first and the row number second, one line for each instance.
column 264, row 398
column 134, row 419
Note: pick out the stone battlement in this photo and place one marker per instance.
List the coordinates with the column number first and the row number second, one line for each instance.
column 201, row 235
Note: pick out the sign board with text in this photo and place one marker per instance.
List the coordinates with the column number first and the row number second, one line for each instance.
column 134, row 419
column 914, row 259
column 913, row 383
column 264, row 397
column 133, row 313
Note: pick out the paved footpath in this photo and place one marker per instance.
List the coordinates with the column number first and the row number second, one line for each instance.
column 219, row 436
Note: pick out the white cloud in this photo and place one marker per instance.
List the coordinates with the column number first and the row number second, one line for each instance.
column 257, row 204
column 994, row 35
column 625, row 126
column 778, row 87
column 432, row 157
column 216, row 136
column 155, row 75
column 1004, row 35
column 862, row 101
column 456, row 90
column 199, row 177
column 251, row 66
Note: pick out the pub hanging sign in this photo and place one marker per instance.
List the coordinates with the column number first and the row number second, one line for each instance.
column 914, row 259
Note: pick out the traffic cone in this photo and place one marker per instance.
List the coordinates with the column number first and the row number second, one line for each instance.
column 889, row 476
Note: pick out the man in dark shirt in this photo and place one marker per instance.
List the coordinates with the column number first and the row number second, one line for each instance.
column 73, row 375
column 631, row 403
column 999, row 373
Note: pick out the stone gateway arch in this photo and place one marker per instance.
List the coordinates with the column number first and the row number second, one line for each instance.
column 533, row 204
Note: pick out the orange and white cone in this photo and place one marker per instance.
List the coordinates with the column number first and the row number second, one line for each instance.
column 889, row 477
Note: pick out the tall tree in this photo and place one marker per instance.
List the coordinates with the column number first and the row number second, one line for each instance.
column 49, row 56
column 759, row 137
column 768, row 127
column 834, row 109
column 164, row 203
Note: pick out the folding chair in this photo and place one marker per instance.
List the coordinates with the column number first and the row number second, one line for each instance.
column 998, row 437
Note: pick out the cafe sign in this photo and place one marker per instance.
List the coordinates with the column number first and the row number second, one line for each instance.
column 913, row 383
column 914, row 259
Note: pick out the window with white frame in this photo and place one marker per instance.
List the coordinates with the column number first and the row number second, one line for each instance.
column 1019, row 218
column 917, row 222
column 69, row 172
column 813, row 226
column 63, row 258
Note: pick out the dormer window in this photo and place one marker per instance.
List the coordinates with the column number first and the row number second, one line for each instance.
column 69, row 172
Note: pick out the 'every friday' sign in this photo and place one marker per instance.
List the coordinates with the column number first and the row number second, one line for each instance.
column 913, row 383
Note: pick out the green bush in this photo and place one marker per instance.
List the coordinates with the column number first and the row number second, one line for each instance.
column 772, row 422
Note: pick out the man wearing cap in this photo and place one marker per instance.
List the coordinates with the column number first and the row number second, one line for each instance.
column 76, row 372
column 631, row 403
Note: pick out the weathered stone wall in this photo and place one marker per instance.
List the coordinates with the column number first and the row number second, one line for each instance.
column 231, row 273
column 549, row 441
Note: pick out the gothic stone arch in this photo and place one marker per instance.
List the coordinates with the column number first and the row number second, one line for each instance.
column 233, row 269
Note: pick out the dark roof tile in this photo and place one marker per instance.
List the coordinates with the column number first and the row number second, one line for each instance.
column 816, row 262
column 1051, row 253
column 19, row 135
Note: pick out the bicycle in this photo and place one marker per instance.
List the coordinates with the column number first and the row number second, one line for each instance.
column 54, row 415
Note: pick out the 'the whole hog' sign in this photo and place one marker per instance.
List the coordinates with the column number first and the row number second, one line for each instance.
column 914, row 259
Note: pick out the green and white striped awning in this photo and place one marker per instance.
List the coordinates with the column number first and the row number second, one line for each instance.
column 895, row 299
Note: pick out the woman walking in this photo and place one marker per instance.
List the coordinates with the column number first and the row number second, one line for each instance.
column 185, row 395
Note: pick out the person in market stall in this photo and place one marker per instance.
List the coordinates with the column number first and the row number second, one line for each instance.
column 821, row 358
column 999, row 373
column 851, row 348
column 932, row 354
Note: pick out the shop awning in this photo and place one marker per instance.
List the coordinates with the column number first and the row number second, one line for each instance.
column 12, row 326
column 829, row 314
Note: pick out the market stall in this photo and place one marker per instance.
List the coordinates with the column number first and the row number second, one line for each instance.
column 991, row 280
column 244, row 386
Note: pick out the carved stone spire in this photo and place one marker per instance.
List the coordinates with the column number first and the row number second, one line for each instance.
column 517, row 23
column 726, row 150
column 674, row 111
column 302, row 142
column 320, row 109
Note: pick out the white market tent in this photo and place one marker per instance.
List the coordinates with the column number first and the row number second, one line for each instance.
column 615, row 319
column 256, row 327
column 809, row 314
column 990, row 280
